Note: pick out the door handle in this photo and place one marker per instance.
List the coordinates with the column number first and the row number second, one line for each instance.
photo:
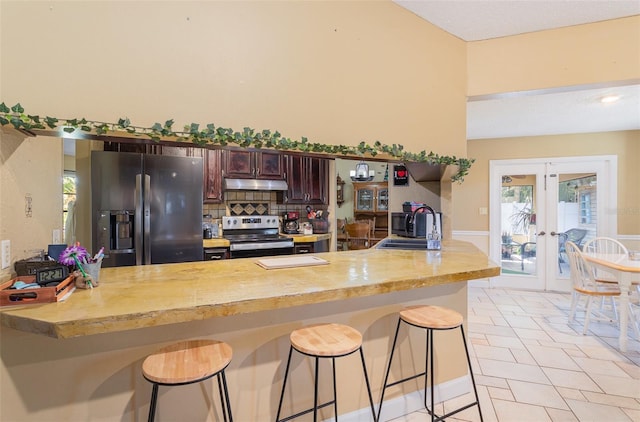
column 542, row 233
column 554, row 234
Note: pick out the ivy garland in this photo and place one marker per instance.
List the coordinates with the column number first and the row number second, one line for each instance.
column 212, row 135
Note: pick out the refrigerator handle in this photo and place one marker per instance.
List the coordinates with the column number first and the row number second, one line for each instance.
column 138, row 220
column 147, row 219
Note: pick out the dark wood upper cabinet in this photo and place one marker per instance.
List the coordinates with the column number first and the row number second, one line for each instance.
column 254, row 165
column 307, row 179
column 213, row 176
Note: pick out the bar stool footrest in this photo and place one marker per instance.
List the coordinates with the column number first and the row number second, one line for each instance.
column 453, row 412
column 404, row 380
column 304, row 412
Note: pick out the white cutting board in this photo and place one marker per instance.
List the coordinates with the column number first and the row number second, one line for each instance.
column 290, row 262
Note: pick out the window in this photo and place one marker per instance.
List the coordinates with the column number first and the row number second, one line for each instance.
column 68, row 198
column 585, row 208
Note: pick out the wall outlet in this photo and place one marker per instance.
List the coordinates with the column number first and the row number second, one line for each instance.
column 6, row 253
column 57, row 237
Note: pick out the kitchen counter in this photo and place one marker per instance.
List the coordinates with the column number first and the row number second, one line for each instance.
column 95, row 372
column 221, row 242
column 154, row 295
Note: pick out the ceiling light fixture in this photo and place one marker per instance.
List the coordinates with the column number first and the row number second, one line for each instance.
column 608, row 99
column 362, row 173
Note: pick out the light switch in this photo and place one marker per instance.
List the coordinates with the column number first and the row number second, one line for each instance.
column 6, row 253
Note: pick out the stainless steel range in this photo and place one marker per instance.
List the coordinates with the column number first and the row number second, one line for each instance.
column 255, row 235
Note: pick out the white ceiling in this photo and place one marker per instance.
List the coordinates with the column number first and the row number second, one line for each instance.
column 570, row 110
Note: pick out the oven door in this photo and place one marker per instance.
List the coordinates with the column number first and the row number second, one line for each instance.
column 257, row 249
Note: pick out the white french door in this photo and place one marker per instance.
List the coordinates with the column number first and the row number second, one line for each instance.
column 539, row 204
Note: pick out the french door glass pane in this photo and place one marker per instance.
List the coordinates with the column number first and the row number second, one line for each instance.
column 518, row 225
column 577, row 213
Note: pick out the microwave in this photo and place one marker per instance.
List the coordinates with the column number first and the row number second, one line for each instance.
column 422, row 224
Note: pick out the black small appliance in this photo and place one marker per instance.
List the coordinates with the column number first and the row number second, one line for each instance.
column 290, row 223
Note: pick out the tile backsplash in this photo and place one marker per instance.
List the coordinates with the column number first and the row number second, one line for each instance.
column 268, row 199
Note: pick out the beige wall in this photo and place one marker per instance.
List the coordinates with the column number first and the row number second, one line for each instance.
column 29, row 168
column 585, row 54
column 337, row 72
column 474, row 193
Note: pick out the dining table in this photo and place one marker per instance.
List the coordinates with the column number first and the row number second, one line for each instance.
column 627, row 273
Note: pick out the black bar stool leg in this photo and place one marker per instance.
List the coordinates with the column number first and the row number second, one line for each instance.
column 284, row 383
column 473, row 380
column 366, row 380
column 431, row 375
column 226, row 394
column 315, row 394
column 224, row 404
column 335, row 389
column 152, row 405
column 386, row 377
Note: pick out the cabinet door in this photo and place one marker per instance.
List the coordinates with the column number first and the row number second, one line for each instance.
column 181, row 151
column 382, row 199
column 317, row 180
column 301, row 248
column 296, row 180
column 239, row 164
column 365, row 199
column 213, row 176
column 140, row 148
column 269, row 165
column 307, row 178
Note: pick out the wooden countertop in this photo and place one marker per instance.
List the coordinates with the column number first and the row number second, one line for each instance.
column 154, row 295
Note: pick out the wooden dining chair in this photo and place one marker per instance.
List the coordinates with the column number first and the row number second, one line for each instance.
column 358, row 235
column 605, row 245
column 585, row 285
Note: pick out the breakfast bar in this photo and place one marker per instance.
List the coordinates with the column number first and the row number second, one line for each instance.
column 91, row 345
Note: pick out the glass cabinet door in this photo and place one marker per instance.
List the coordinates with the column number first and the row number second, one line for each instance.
column 364, row 200
column 383, row 200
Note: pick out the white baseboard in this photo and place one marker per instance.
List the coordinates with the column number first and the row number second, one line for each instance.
column 411, row 402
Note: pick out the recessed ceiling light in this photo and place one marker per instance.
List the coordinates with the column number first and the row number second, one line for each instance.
column 608, row 99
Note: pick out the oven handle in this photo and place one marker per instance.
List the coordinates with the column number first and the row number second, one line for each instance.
column 262, row 246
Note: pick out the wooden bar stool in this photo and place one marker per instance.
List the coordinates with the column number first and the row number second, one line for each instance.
column 431, row 318
column 189, row 362
column 324, row 341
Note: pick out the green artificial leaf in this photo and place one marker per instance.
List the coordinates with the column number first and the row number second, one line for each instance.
column 124, row 123
column 69, row 129
column 17, row 122
column 17, row 108
column 157, row 127
column 3, row 121
column 4, row 109
column 51, row 122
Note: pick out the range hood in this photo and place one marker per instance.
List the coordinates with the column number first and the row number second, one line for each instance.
column 425, row 172
column 254, row 184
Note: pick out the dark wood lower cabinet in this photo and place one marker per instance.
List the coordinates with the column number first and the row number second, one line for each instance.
column 311, row 247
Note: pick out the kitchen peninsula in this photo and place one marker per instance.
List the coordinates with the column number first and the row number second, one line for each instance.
column 91, row 368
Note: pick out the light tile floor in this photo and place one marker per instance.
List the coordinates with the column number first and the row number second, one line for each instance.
column 530, row 364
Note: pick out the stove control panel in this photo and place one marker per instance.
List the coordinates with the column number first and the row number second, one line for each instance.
column 241, row 222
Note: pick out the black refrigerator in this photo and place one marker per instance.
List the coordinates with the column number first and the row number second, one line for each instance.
column 146, row 209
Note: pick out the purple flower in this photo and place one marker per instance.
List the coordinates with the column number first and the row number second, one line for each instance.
column 66, row 257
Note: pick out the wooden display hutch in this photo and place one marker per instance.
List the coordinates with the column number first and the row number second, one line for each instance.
column 371, row 202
